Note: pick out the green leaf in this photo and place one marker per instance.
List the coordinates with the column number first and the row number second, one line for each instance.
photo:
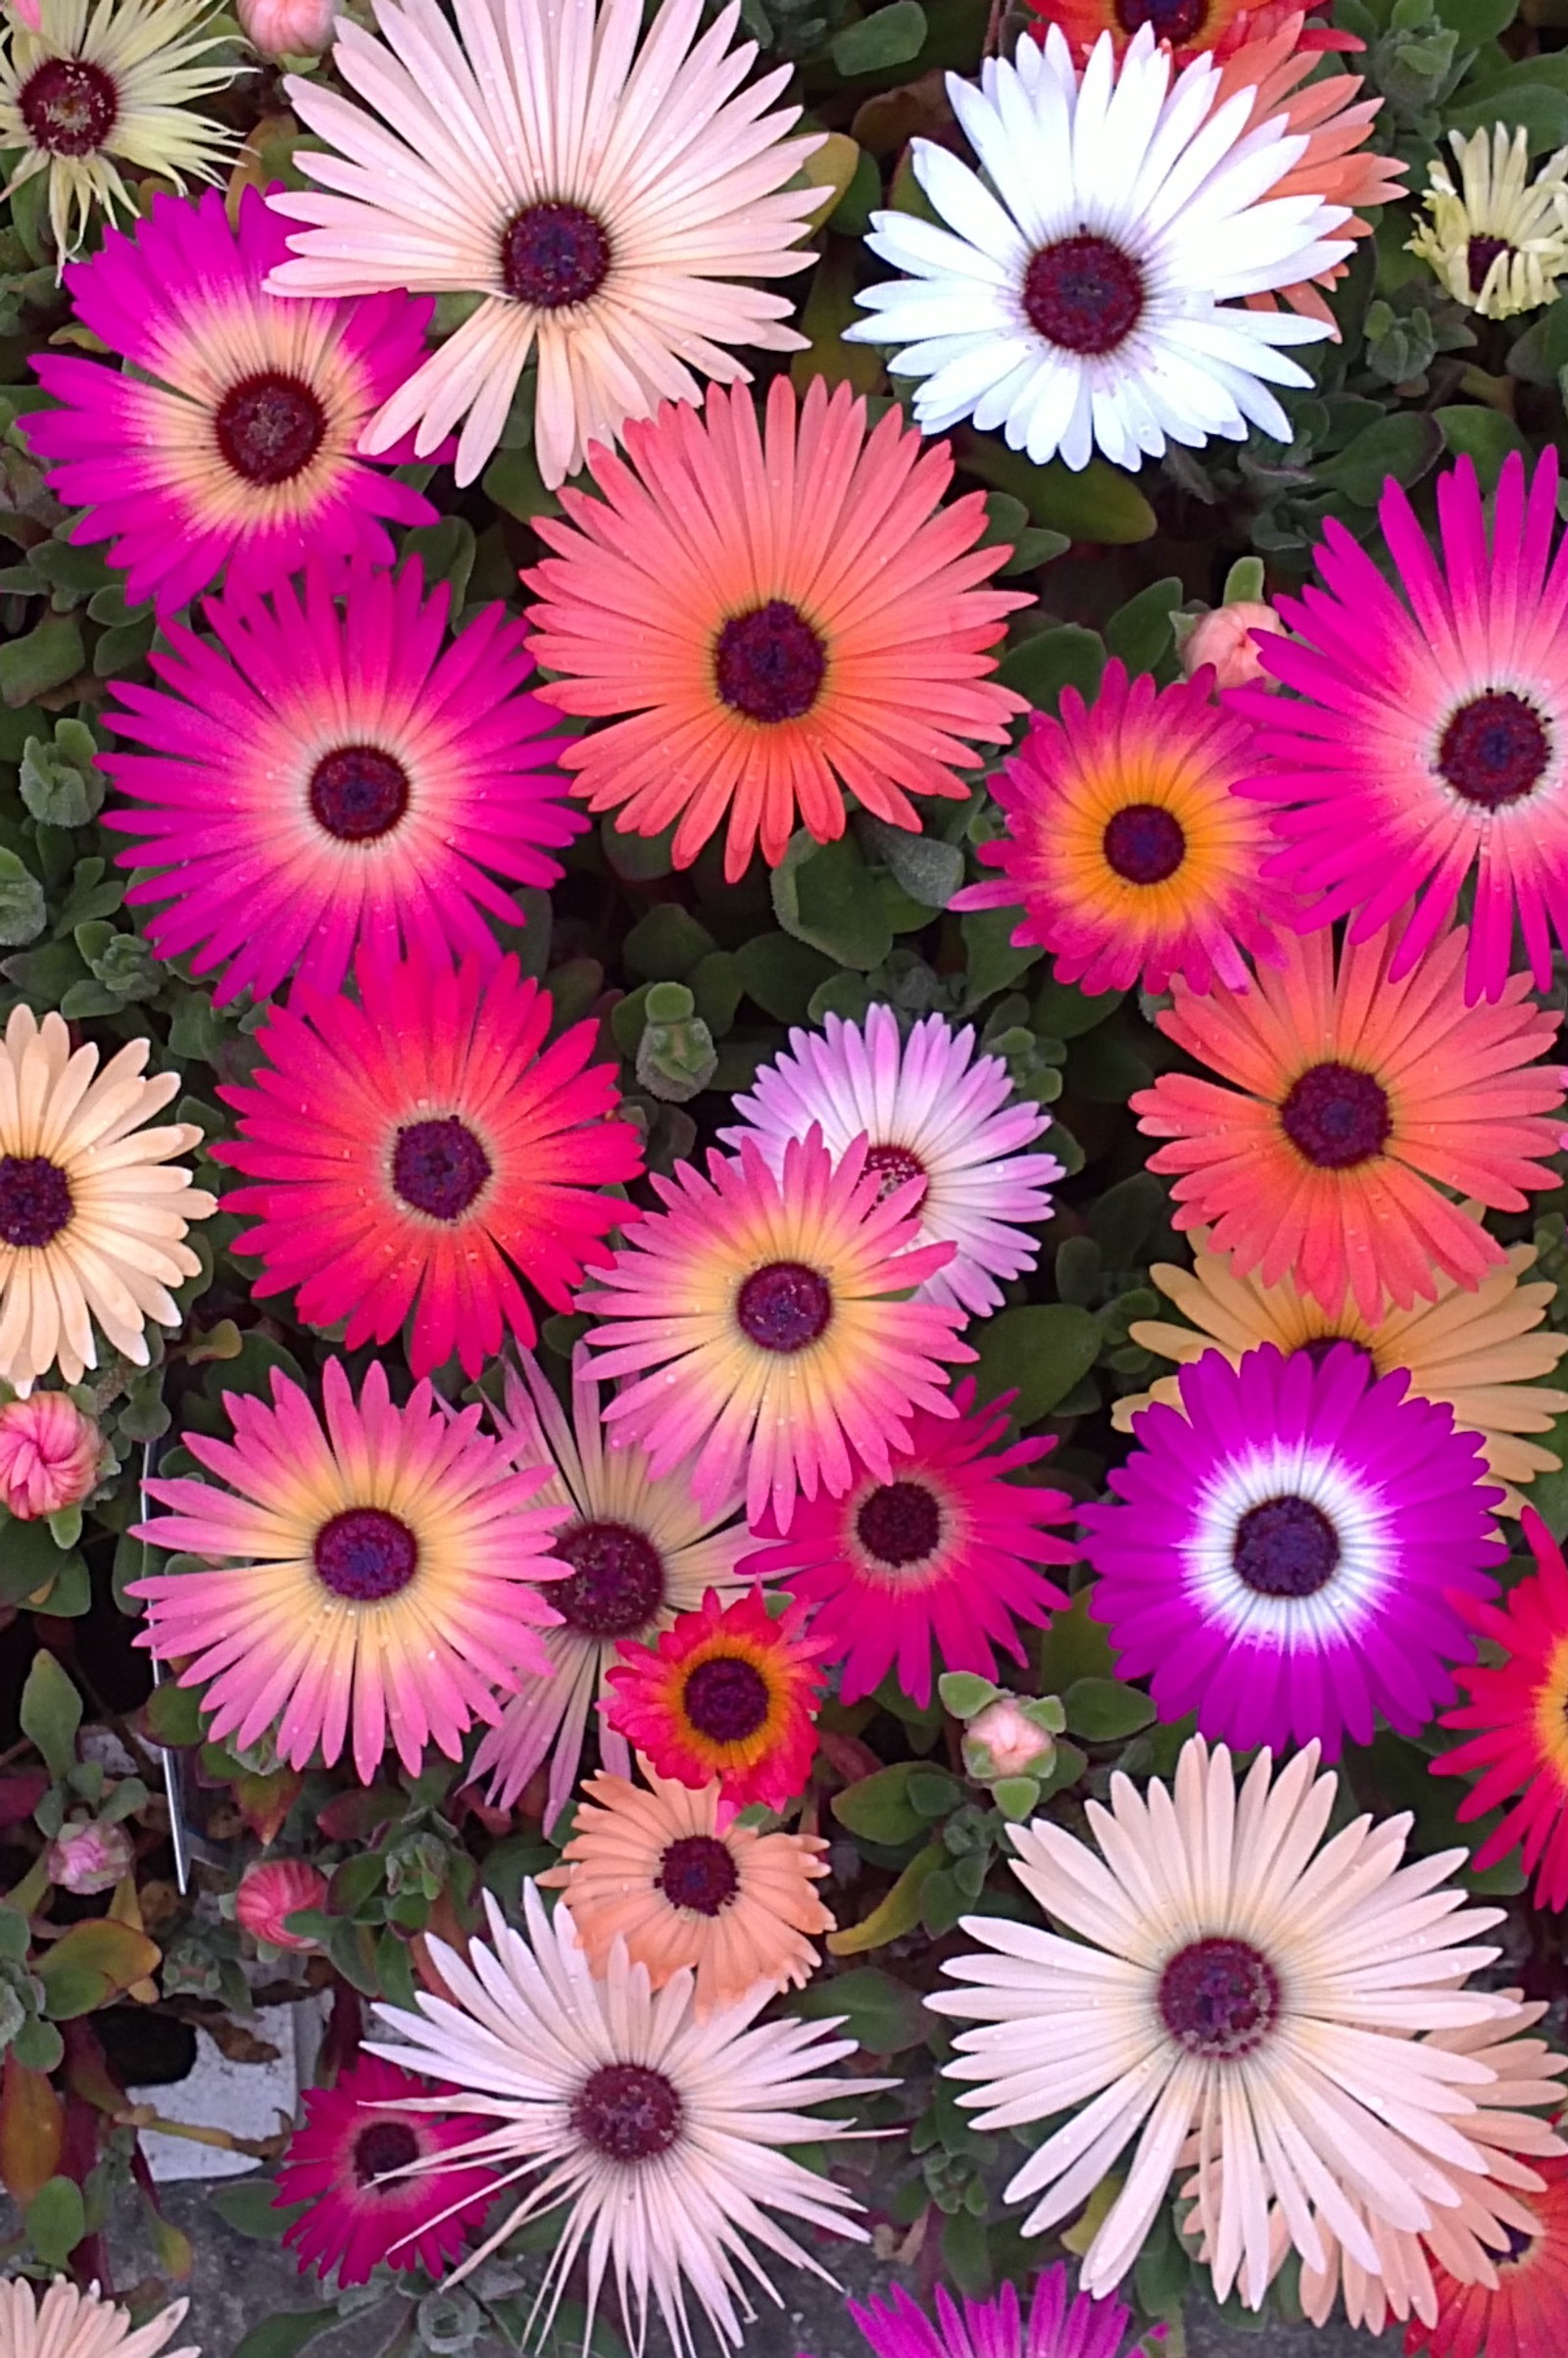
column 28, row 1557
column 1403, row 446
column 246, row 2204
column 1094, row 502
column 1061, row 1011
column 13, row 1935
column 889, row 36
column 823, row 896
column 966, row 2253
column 1041, row 666
column 885, row 2015
column 1016, row 1797
column 1139, row 632
column 1125, row 1218
column 39, row 2045
column 1521, row 96
column 1039, row 1350
column 1478, row 20
column 964, row 1692
column 878, row 1808
column 50, row 1713
column 45, row 659
column 56, row 2221
column 24, row 912
column 637, row 858
column 172, row 1716
column 665, row 945
column 1105, row 1710
column 991, row 958
column 779, row 975
column 1074, row 1646
column 281, row 2336
column 513, row 482
column 1482, row 434
column 895, row 1914
column 929, row 870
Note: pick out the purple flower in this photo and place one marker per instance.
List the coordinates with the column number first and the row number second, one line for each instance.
column 1062, row 2323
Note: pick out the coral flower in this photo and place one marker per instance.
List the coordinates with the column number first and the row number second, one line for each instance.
column 1060, row 2324
column 943, row 1559
column 66, row 2322
column 658, row 1870
column 1498, row 242
column 50, row 1455
column 727, row 1692
column 1356, row 1099
column 376, row 1573
column 328, row 768
column 270, row 1890
column 1524, row 2314
column 1192, row 28
column 766, row 1324
column 413, row 1154
column 1128, row 849
column 771, row 617
column 230, row 445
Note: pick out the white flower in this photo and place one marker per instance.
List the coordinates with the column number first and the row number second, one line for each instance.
column 64, row 2322
column 1084, row 292
column 1499, row 241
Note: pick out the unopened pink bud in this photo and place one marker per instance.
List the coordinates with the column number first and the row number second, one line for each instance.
column 1002, row 1740
column 273, row 1889
column 49, row 1456
column 88, row 1858
column 1224, row 638
column 287, row 27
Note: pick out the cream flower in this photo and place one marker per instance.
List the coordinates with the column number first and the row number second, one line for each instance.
column 1499, row 241
column 62, row 2323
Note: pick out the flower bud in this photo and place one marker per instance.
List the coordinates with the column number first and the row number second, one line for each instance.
column 1224, row 638
column 287, row 27
column 273, row 1889
column 1009, row 1738
column 49, row 1456
column 88, row 1857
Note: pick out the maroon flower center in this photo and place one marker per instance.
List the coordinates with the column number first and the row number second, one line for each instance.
column 1084, row 295
column 627, row 2113
column 1143, row 843
column 385, row 2146
column 1172, row 20
column 897, row 1166
column 365, row 1554
column 36, row 1201
column 1480, row 255
column 1518, row 2244
column 698, row 1873
column 1318, row 1349
column 1337, row 1116
column 1495, row 750
column 359, row 793
column 900, row 1523
column 784, row 1306
column 439, row 1167
column 1219, row 1999
column 1286, row 1547
column 554, row 255
column 726, row 1699
column 68, row 106
column 769, row 664
column 617, row 1584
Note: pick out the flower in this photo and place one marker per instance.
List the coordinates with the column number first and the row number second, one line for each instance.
column 1129, row 849
column 1427, row 737
column 281, row 29
column 1062, row 2323
column 1193, row 28
column 1475, row 1349
column 66, row 2322
column 598, row 202
column 412, row 1153
column 1290, row 1549
column 1498, row 242
column 641, row 1551
column 655, row 1869
column 1226, row 1971
column 381, row 1569
column 84, row 91
column 773, row 617
column 930, row 1109
column 89, row 1855
column 1525, row 2313
column 50, row 1455
column 1085, row 298
column 230, row 443
column 270, row 1891
column 1013, row 1736
column 663, row 2137
column 26, row 12
column 93, row 1215
column 1358, row 1096
column 340, row 2163
column 328, row 768
column 725, row 1692
column 1224, row 641
column 939, row 1553
column 761, row 1318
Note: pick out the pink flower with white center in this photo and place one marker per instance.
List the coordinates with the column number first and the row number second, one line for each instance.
column 273, row 1890
column 50, row 1455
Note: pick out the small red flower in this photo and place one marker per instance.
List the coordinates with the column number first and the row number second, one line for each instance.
column 355, row 2134
column 728, row 1693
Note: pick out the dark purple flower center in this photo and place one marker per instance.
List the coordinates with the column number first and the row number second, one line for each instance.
column 1480, row 255
column 439, row 1167
column 1496, row 750
column 365, row 1554
column 35, row 1200
column 627, row 2113
column 1219, row 1999
column 385, row 2145
column 698, row 1873
column 1518, row 2244
column 1318, row 1349
column 726, row 1699
column 897, row 1166
column 359, row 793
column 1145, row 843
column 68, row 106
column 784, row 1306
column 900, row 1523
column 1337, row 1116
column 617, row 1584
column 1286, row 1547
column 269, row 427
column 769, row 663
column 1084, row 295
column 1172, row 20
column 554, row 255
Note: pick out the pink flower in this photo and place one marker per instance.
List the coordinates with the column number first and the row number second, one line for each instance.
column 26, row 11
column 286, row 28
column 1005, row 1741
column 49, row 1456
column 341, row 2164
column 88, row 1857
column 1224, row 638
column 275, row 1889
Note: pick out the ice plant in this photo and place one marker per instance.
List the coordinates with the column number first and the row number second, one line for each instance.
column 1193, row 28
column 51, row 1456
column 270, row 1890
column 1230, row 1970
column 327, row 766
column 770, row 616
column 601, row 194
column 929, row 1109
column 1085, row 294
column 1354, row 1095
column 1060, row 2323
column 370, row 1577
column 1290, row 1550
column 416, row 1153
column 57, row 2321
column 1499, row 240
column 1525, row 2312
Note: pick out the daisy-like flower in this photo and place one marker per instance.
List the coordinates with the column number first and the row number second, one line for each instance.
column 768, row 617
column 93, row 1213
column 641, row 1551
column 929, row 1109
column 1229, row 1972
column 1499, row 241
column 230, row 445
column 1290, row 1548
column 331, row 771
column 1083, row 294
column 95, row 85
column 355, row 2134
column 1427, row 738
column 1062, row 2323
column 767, row 1323
column 1128, row 852
column 943, row 1559
column 1191, row 29
column 415, row 1152
column 663, row 2136
column 687, row 1893
column 725, row 1693
column 1355, row 1097
column 58, row 2321
column 1524, row 2314
column 601, row 193
column 374, row 1573
column 1478, row 1350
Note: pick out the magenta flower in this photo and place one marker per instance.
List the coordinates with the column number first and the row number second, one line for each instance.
column 355, row 2134
column 1062, row 2323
